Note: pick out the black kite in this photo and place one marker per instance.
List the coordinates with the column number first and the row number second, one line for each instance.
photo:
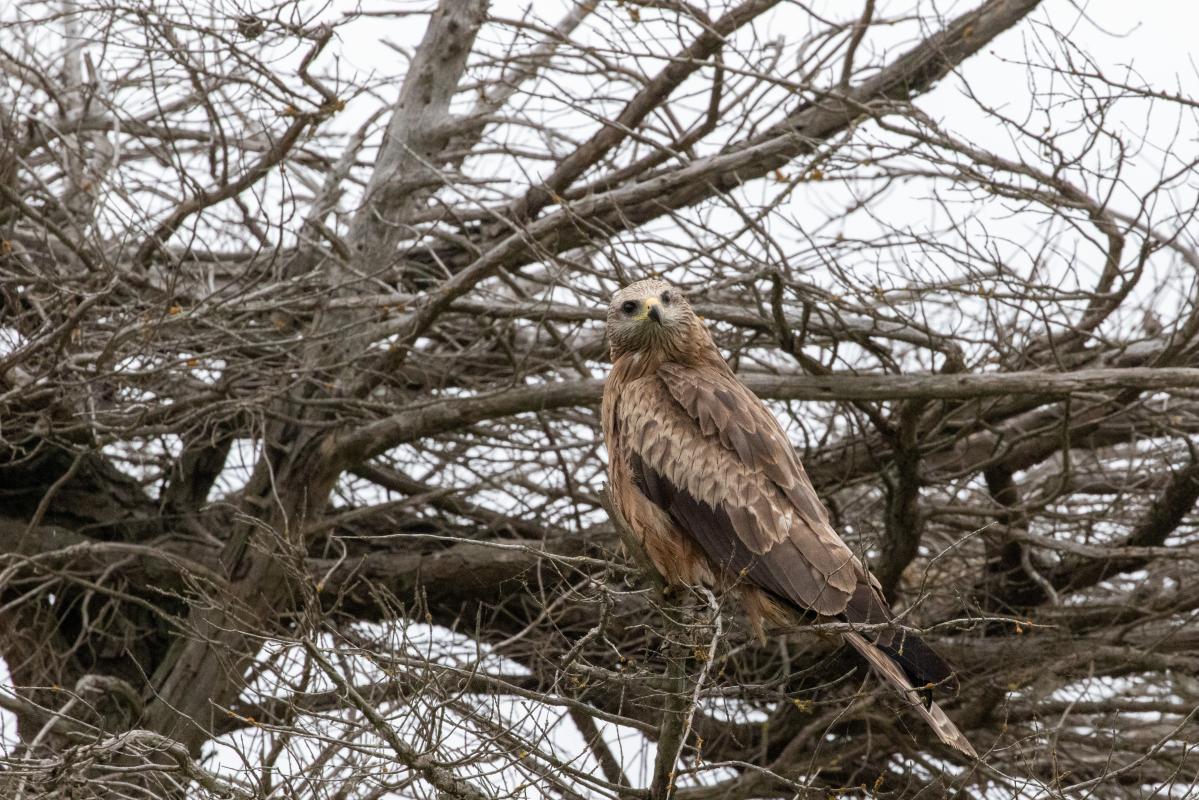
column 709, row 483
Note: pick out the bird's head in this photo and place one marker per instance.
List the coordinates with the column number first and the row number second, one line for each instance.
column 649, row 314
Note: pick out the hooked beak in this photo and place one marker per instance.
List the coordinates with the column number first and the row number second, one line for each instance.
column 653, row 310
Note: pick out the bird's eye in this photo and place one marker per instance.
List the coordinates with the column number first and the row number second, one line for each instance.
column 628, row 306
column 667, row 298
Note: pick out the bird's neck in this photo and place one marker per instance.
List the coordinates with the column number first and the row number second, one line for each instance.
column 696, row 350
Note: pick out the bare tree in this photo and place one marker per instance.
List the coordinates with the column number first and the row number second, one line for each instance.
column 299, row 366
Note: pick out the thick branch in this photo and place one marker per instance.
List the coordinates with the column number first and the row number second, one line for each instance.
column 406, row 169
column 440, row 416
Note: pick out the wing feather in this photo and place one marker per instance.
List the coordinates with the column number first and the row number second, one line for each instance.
column 723, row 487
column 784, row 573
column 745, row 426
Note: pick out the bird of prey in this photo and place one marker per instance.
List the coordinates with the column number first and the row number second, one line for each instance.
column 709, row 484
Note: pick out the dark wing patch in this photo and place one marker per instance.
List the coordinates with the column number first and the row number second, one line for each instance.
column 725, row 409
column 782, row 570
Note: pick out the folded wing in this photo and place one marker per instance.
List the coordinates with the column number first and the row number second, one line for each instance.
column 707, row 451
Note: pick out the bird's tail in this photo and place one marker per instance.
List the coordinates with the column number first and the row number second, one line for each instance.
column 892, row 668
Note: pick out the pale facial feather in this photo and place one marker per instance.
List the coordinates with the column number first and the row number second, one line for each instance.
column 649, row 315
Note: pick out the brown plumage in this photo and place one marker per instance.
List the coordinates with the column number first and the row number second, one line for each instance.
column 709, row 483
